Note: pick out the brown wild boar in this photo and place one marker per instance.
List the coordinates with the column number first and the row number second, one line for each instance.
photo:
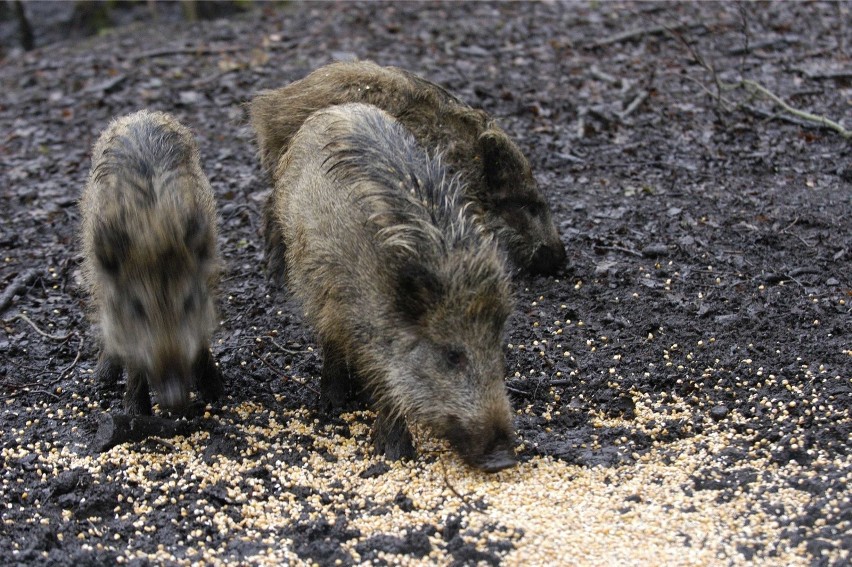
column 408, row 294
column 495, row 174
column 150, row 260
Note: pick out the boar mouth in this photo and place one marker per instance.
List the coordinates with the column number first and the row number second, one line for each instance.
column 495, row 461
column 489, row 451
column 548, row 260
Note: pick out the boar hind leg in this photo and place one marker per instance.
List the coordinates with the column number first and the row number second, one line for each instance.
column 208, row 377
column 137, row 399
column 335, row 383
column 108, row 371
column 391, row 438
column 276, row 248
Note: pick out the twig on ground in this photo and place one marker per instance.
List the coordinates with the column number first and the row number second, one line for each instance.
column 759, row 112
column 281, row 348
column 183, row 51
column 62, row 375
column 639, row 33
column 213, row 77
column 26, row 319
column 745, row 49
column 453, row 488
column 834, row 75
column 283, row 377
column 789, row 226
column 46, row 393
column 636, row 103
column 71, row 366
column 18, row 285
column 755, row 88
column 741, row 8
column 622, row 249
column 603, row 77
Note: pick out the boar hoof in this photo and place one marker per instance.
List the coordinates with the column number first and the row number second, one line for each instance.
column 334, row 393
column 107, row 372
column 392, row 439
column 137, row 399
column 208, row 377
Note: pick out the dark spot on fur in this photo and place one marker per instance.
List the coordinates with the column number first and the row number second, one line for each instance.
column 112, row 244
column 196, row 236
column 417, row 291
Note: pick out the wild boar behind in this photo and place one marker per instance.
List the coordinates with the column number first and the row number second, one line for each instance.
column 496, row 177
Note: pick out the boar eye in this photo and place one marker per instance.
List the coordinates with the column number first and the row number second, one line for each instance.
column 456, row 358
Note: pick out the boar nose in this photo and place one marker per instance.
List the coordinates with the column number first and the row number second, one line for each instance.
column 498, row 453
column 172, row 392
column 497, row 461
column 548, row 259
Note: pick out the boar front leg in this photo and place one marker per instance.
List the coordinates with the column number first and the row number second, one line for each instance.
column 208, row 377
column 335, row 382
column 392, row 438
column 137, row 399
column 108, row 371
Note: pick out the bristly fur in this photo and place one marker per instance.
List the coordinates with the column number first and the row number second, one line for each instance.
column 142, row 159
column 163, row 147
column 425, row 207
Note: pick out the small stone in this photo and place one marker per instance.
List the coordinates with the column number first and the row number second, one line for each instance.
column 719, row 412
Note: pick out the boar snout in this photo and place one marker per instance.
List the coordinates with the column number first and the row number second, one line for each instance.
column 548, row 260
column 497, row 461
column 173, row 387
column 489, row 451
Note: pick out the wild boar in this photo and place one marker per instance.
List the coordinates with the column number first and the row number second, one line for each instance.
column 150, row 260
column 408, row 295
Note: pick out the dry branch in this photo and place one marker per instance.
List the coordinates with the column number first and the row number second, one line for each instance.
column 636, row 103
column 755, row 88
column 630, row 35
column 17, row 286
column 30, row 322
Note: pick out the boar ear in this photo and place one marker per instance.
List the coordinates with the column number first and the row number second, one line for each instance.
column 111, row 243
column 417, row 291
column 197, row 236
column 504, row 166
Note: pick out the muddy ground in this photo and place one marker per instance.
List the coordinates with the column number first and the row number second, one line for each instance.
column 685, row 384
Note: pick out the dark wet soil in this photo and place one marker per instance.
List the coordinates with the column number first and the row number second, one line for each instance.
column 710, row 244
